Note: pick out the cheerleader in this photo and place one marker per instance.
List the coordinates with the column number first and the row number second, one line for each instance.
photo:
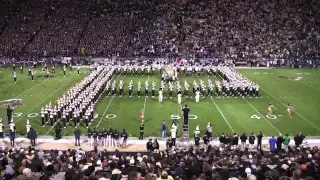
column 289, row 110
column 142, row 115
column 270, row 107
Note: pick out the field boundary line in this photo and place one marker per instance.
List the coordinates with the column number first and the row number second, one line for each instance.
column 222, row 115
column 292, row 110
column 261, row 115
column 40, row 103
column 111, row 100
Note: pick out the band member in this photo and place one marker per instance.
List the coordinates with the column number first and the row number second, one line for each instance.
column 53, row 71
column 142, row 115
column 105, row 136
column 13, row 66
column 139, row 88
column 12, row 127
column 1, row 128
column 121, row 87
column 21, row 69
column 146, row 92
column 170, row 89
column 64, row 70
column 51, row 119
column 32, row 75
column 124, row 137
column 197, row 95
column 153, row 87
column 160, row 95
column 29, row 72
column 64, row 120
column 179, row 97
column 116, row 138
column 270, row 107
column 78, row 70
column 47, row 72
column 289, row 110
column 109, row 137
column 14, row 77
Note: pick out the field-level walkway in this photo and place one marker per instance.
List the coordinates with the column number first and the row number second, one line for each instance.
column 133, row 145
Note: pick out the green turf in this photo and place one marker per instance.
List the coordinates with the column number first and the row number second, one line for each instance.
column 226, row 114
column 34, row 94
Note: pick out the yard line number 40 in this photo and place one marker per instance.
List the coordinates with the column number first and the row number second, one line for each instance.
column 267, row 116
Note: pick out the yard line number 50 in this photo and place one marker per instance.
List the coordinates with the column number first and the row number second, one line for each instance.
column 175, row 116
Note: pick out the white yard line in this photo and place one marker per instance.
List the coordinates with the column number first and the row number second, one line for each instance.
column 293, row 111
column 106, row 109
column 145, row 100
column 222, row 115
column 39, row 103
column 225, row 119
column 262, row 115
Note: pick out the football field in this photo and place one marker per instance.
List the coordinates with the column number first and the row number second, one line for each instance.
column 300, row 87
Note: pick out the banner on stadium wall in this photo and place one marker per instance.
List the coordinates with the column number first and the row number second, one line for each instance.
column 11, row 103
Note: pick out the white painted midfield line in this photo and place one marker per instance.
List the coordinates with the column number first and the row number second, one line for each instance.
column 104, row 113
column 262, row 115
column 225, row 119
column 293, row 111
column 39, row 104
column 222, row 115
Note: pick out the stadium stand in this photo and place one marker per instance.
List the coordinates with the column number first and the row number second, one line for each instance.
column 227, row 28
column 241, row 30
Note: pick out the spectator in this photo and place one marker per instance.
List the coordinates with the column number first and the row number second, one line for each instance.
column 272, row 143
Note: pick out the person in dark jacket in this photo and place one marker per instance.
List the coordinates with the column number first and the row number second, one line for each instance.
column 252, row 138
column 222, row 140
column 259, row 137
column 235, row 140
column 155, row 145
column 77, row 134
column 243, row 139
column 12, row 137
column 32, row 134
column 279, row 142
column 298, row 139
column 124, row 136
column 149, row 145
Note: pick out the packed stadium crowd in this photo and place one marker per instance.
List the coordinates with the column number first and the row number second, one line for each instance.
column 224, row 28
column 204, row 163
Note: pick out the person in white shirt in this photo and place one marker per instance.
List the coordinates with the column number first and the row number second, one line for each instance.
column 179, row 97
column 160, row 96
column 173, row 134
column 28, row 126
column 209, row 129
column 197, row 95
